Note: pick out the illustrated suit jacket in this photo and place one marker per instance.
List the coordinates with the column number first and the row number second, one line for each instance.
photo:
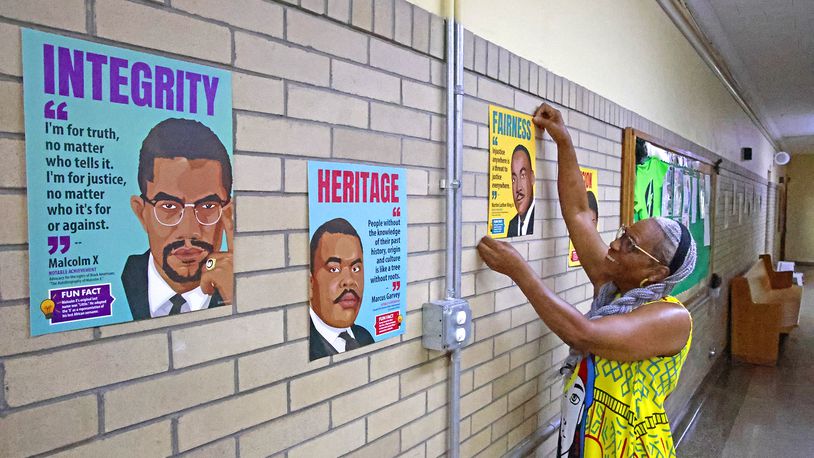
column 320, row 348
column 514, row 224
column 134, row 279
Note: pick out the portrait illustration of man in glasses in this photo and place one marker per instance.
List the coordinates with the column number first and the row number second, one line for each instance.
column 185, row 207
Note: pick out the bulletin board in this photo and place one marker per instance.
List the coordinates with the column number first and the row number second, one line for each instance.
column 661, row 180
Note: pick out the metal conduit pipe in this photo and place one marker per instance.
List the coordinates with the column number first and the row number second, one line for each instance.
column 459, row 148
column 455, row 356
column 682, row 21
column 454, row 432
column 454, row 53
column 449, row 182
column 536, row 439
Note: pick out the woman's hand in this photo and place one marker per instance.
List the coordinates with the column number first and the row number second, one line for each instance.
column 501, row 257
column 549, row 119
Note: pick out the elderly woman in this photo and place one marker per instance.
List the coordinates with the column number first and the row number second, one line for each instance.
column 628, row 350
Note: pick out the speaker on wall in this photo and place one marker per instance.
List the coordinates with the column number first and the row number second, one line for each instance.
column 782, row 158
column 746, row 154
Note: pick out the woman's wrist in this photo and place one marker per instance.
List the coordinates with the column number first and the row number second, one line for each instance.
column 525, row 276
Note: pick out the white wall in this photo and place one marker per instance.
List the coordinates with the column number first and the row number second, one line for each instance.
column 638, row 59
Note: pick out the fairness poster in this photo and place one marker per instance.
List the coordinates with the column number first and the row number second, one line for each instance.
column 129, row 168
column 592, row 191
column 512, row 167
column 357, row 227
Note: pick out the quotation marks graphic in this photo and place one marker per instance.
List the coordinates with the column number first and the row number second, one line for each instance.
column 396, row 285
column 60, row 113
column 55, row 242
column 396, row 211
column 494, row 195
column 494, row 140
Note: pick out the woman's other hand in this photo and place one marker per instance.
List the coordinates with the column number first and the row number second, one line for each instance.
column 501, row 256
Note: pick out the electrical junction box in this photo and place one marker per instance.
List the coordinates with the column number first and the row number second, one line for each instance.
column 447, row 324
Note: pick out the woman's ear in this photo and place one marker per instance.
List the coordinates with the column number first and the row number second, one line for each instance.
column 661, row 272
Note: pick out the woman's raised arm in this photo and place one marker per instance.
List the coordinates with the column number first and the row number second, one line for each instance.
column 579, row 217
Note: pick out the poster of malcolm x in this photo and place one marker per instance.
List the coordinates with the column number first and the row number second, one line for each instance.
column 129, row 167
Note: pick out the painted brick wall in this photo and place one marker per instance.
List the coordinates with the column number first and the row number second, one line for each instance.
column 353, row 80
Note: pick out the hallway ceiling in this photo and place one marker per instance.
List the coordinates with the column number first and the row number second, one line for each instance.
column 768, row 48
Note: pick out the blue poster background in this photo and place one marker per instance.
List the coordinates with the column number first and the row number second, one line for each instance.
column 366, row 217
column 123, row 235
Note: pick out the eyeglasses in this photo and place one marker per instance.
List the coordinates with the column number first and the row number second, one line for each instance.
column 629, row 245
column 169, row 211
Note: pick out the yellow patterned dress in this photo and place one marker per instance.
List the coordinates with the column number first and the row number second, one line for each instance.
column 613, row 409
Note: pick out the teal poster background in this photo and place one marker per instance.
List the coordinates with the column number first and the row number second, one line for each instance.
column 88, row 107
column 374, row 201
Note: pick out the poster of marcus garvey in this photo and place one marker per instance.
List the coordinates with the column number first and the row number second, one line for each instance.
column 357, row 225
column 129, row 168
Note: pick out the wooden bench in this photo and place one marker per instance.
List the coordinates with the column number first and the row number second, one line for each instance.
column 783, row 290
column 765, row 304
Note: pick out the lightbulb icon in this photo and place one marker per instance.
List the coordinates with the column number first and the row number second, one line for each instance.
column 47, row 307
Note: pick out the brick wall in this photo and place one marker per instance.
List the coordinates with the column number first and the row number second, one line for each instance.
column 360, row 80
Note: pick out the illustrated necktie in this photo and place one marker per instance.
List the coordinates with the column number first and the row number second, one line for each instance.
column 177, row 301
column 350, row 342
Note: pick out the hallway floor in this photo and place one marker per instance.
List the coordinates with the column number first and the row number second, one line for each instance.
column 755, row 411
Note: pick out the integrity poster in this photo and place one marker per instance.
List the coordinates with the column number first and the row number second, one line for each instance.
column 129, row 164
column 512, row 168
column 592, row 192
column 357, row 219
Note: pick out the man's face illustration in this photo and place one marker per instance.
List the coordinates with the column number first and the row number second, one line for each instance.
column 180, row 250
column 522, row 182
column 338, row 279
column 573, row 408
